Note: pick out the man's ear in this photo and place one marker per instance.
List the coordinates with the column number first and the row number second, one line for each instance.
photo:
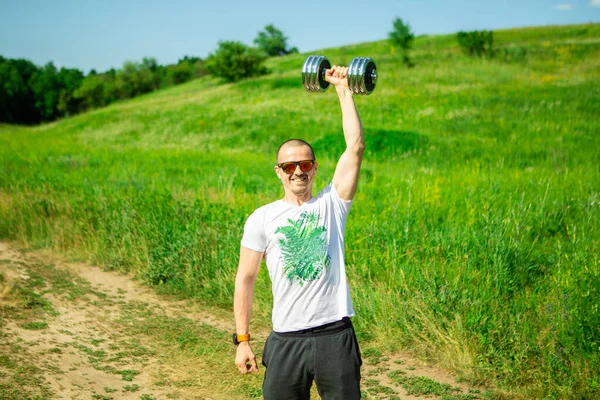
column 277, row 172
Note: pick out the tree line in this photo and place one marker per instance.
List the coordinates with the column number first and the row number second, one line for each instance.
column 30, row 94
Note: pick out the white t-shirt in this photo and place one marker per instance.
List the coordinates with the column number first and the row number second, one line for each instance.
column 304, row 253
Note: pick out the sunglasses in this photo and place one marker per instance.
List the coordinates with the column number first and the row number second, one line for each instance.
column 290, row 166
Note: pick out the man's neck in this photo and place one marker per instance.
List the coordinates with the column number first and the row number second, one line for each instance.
column 297, row 200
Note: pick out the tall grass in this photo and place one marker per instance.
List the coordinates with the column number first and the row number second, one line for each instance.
column 473, row 238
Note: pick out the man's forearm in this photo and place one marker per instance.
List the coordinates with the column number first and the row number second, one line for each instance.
column 242, row 305
column 351, row 123
column 244, row 288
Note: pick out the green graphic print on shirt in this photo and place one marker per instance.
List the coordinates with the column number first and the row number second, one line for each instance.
column 304, row 248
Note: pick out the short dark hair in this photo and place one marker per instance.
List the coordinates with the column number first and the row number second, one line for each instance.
column 294, row 143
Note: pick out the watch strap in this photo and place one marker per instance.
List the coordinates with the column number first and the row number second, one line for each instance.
column 243, row 338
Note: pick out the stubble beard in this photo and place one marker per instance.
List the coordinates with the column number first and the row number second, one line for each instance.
column 300, row 190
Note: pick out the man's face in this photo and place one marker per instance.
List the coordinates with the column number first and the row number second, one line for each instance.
column 298, row 182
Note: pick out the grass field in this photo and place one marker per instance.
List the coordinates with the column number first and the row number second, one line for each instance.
column 474, row 235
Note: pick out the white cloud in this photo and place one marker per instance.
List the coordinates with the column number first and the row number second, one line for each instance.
column 595, row 3
column 566, row 7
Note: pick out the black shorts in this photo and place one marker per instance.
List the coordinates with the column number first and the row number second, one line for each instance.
column 328, row 355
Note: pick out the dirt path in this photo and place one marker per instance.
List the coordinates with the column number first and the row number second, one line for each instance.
column 73, row 331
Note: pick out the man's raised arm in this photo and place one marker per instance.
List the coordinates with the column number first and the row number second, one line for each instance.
column 347, row 170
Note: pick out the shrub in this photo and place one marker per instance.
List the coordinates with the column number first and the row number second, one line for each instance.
column 234, row 61
column 477, row 43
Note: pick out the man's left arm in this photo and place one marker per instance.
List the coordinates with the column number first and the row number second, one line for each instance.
column 345, row 178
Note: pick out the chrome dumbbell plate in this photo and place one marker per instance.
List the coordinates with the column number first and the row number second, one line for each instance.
column 313, row 73
column 362, row 75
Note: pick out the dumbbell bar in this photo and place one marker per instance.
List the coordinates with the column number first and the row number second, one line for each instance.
column 362, row 74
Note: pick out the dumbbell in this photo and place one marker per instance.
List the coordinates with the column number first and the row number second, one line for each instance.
column 362, row 74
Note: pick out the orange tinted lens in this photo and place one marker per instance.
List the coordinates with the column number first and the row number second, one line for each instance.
column 288, row 167
column 306, row 165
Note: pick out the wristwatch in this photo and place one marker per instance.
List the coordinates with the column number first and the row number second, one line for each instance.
column 240, row 338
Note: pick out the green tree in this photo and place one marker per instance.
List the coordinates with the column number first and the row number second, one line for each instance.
column 180, row 73
column 45, row 87
column 17, row 99
column 30, row 94
column 53, row 91
column 196, row 64
column 187, row 68
column 273, row 42
column 91, row 93
column 69, row 80
column 152, row 65
column 402, row 37
column 135, row 79
column 234, row 61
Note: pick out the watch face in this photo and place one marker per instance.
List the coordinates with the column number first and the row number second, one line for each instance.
column 235, row 341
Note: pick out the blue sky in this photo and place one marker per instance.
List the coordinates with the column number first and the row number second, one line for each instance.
column 102, row 34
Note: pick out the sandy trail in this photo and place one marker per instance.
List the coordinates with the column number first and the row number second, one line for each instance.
column 85, row 328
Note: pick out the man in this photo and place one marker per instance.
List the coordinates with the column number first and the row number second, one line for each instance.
column 301, row 238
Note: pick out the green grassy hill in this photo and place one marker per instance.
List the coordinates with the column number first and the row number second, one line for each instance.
column 473, row 239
